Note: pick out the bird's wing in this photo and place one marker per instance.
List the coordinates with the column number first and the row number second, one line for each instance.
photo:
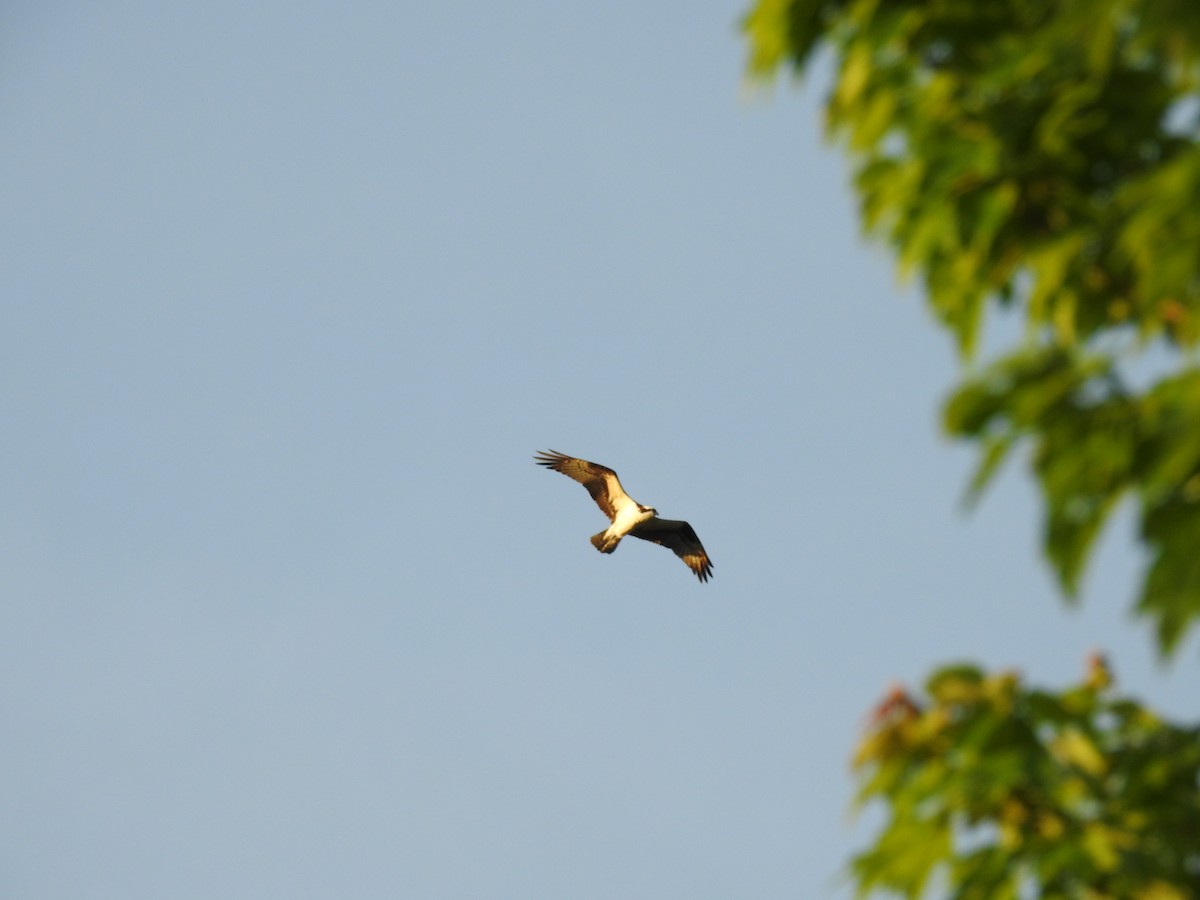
column 601, row 482
column 679, row 538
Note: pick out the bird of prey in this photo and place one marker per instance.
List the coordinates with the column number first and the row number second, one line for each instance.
column 627, row 515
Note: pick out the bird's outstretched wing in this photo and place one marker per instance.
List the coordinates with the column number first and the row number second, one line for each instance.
column 679, row 538
column 601, row 482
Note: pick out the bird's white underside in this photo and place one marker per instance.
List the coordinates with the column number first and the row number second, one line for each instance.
column 628, row 515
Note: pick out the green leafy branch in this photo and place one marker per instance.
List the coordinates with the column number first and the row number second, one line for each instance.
column 1010, row 162
column 994, row 788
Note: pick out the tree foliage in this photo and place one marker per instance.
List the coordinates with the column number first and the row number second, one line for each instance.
column 999, row 790
column 1041, row 156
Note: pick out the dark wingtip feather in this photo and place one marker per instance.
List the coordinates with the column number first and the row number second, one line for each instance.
column 549, row 458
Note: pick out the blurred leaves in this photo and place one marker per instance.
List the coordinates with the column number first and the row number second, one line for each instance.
column 1043, row 157
column 996, row 789
column 1094, row 442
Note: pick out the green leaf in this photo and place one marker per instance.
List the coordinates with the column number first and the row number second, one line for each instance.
column 954, row 684
column 1171, row 595
column 994, row 451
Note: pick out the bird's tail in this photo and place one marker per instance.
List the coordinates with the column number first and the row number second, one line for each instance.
column 604, row 543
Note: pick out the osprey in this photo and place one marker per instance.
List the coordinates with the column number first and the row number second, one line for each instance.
column 627, row 515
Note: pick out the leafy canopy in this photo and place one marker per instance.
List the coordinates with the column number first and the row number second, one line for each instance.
column 1041, row 156
column 995, row 788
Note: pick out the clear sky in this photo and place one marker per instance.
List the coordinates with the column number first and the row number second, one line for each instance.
column 292, row 292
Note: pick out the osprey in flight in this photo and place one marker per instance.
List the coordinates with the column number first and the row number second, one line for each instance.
column 627, row 515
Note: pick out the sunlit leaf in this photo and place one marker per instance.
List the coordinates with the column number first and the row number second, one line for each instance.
column 1074, row 748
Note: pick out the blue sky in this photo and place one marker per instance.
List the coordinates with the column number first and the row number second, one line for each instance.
column 294, row 292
